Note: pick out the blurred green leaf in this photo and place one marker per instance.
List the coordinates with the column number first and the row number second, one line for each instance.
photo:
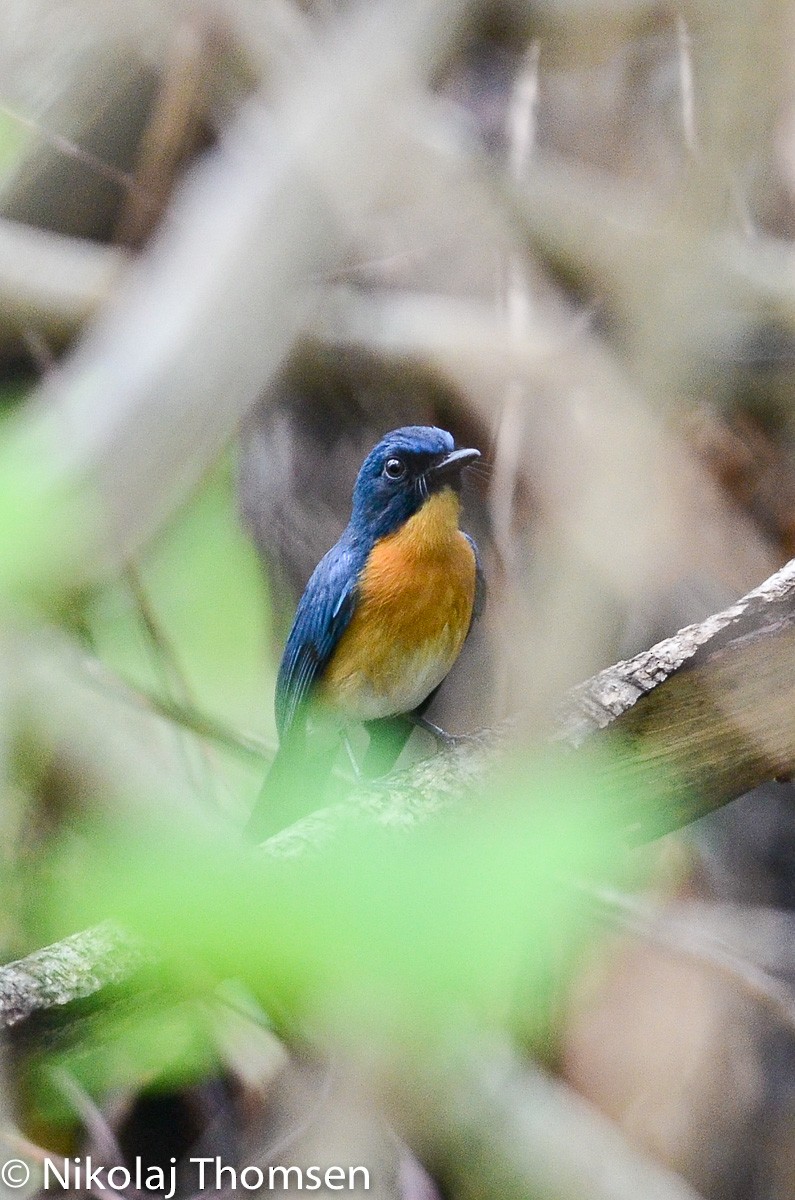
column 472, row 913
column 45, row 523
column 149, row 1046
column 207, row 595
column 14, row 137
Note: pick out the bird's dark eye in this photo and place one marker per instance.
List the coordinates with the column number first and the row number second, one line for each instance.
column 394, row 468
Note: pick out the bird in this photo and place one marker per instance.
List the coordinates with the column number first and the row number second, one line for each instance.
column 380, row 623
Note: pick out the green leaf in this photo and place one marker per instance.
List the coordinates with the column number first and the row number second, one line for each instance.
column 471, row 913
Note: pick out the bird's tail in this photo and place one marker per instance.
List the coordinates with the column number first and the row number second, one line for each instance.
column 300, row 781
column 297, row 783
column 388, row 736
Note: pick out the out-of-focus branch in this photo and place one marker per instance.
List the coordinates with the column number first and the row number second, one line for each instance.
column 527, row 1133
column 213, row 306
column 50, row 283
column 566, row 467
column 758, row 933
column 608, row 231
column 247, row 745
column 171, row 133
column 572, row 212
column 682, row 933
column 491, row 1126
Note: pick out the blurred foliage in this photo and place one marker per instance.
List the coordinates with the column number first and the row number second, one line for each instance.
column 45, row 523
column 477, row 916
column 151, row 1045
column 14, row 136
column 481, row 916
column 208, row 598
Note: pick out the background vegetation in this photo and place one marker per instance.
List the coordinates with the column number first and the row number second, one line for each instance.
column 239, row 240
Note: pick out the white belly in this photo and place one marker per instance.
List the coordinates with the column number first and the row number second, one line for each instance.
column 420, row 673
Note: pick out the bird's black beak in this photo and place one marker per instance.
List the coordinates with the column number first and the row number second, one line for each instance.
column 451, row 466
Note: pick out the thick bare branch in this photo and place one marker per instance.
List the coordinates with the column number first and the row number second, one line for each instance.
column 71, row 970
column 50, row 283
column 608, row 695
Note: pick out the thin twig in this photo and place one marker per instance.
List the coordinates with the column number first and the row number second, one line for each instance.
column 104, row 1140
column 167, row 665
column 71, row 149
column 248, row 745
column 684, row 938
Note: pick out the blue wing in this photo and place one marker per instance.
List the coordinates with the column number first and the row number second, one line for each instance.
column 323, row 615
column 480, row 583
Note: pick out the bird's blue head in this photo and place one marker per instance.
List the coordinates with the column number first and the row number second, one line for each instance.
column 400, row 474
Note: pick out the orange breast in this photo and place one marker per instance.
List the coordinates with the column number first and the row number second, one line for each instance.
column 412, row 616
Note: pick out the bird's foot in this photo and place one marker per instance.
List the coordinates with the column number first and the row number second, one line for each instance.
column 358, row 773
column 449, row 740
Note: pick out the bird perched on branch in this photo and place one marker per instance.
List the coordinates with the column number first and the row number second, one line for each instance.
column 381, row 621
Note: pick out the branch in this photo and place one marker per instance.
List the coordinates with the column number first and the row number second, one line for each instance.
column 684, row 698
column 71, row 970
column 484, row 1116
column 250, row 747
column 715, row 704
column 214, row 305
column 682, row 933
column 701, row 718
column 607, row 696
column 51, row 283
